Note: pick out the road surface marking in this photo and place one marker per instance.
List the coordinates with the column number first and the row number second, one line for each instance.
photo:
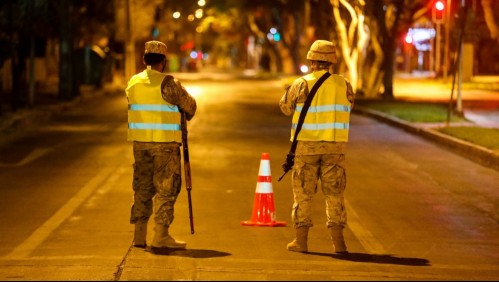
column 40, row 234
column 366, row 238
column 35, row 154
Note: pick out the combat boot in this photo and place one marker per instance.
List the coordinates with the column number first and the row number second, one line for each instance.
column 162, row 239
column 299, row 244
column 140, row 235
column 338, row 240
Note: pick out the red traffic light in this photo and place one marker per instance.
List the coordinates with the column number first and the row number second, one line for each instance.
column 438, row 11
column 439, row 5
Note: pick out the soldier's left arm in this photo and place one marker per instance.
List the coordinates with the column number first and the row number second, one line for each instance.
column 186, row 102
column 174, row 93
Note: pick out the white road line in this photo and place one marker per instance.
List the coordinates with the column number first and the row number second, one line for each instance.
column 40, row 234
column 35, row 154
column 365, row 237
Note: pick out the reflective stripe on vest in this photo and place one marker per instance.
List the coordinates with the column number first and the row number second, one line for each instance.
column 153, row 126
column 150, row 118
column 328, row 117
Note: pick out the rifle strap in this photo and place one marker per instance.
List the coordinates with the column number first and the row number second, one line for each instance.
column 304, row 110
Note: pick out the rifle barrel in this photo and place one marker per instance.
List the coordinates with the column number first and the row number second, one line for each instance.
column 282, row 176
column 190, row 211
column 187, row 169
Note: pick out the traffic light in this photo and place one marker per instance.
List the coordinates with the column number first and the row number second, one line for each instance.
column 438, row 11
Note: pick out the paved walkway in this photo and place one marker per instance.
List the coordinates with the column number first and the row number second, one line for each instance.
column 479, row 99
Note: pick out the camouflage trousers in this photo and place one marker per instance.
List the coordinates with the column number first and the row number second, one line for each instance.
column 307, row 171
column 156, row 181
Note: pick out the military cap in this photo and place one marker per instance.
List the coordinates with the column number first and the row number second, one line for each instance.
column 155, row 47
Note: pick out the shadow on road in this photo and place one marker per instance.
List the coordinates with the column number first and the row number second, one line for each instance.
column 373, row 258
column 188, row 253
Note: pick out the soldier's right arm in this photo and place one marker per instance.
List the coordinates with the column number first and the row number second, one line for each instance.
column 295, row 93
column 350, row 94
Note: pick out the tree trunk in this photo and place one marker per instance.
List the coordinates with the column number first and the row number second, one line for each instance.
column 389, row 72
column 14, row 60
column 374, row 71
column 66, row 86
column 16, row 77
column 392, row 33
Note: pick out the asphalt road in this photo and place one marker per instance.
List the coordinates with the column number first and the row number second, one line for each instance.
column 416, row 211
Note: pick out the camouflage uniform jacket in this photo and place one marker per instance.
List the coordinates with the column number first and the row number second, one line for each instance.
column 174, row 93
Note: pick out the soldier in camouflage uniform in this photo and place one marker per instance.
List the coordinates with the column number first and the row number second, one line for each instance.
column 155, row 104
column 321, row 145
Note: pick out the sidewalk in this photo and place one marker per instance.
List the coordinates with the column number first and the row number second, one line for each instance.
column 481, row 97
column 46, row 105
column 469, row 150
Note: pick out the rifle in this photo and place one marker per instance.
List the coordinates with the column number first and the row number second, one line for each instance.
column 187, row 167
column 288, row 164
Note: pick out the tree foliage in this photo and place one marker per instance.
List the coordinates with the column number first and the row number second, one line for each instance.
column 367, row 33
column 368, row 36
column 26, row 27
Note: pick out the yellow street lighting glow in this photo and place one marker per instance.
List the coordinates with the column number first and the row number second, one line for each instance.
column 195, row 91
column 199, row 13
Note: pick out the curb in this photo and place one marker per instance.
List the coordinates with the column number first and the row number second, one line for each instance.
column 478, row 154
column 11, row 122
column 15, row 121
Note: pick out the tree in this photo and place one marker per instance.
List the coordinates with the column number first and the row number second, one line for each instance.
column 66, row 78
column 490, row 19
column 389, row 31
column 29, row 25
column 21, row 22
column 82, row 24
column 10, row 44
column 368, row 34
column 223, row 32
column 287, row 18
column 352, row 39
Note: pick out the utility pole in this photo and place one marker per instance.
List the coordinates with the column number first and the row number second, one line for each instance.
column 31, row 97
column 439, row 17
column 130, row 41
column 438, row 49
column 447, row 39
column 459, row 104
column 458, row 65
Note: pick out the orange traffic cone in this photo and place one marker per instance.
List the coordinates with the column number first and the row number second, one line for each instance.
column 263, row 206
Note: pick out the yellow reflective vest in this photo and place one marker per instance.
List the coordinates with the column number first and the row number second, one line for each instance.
column 328, row 118
column 150, row 118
